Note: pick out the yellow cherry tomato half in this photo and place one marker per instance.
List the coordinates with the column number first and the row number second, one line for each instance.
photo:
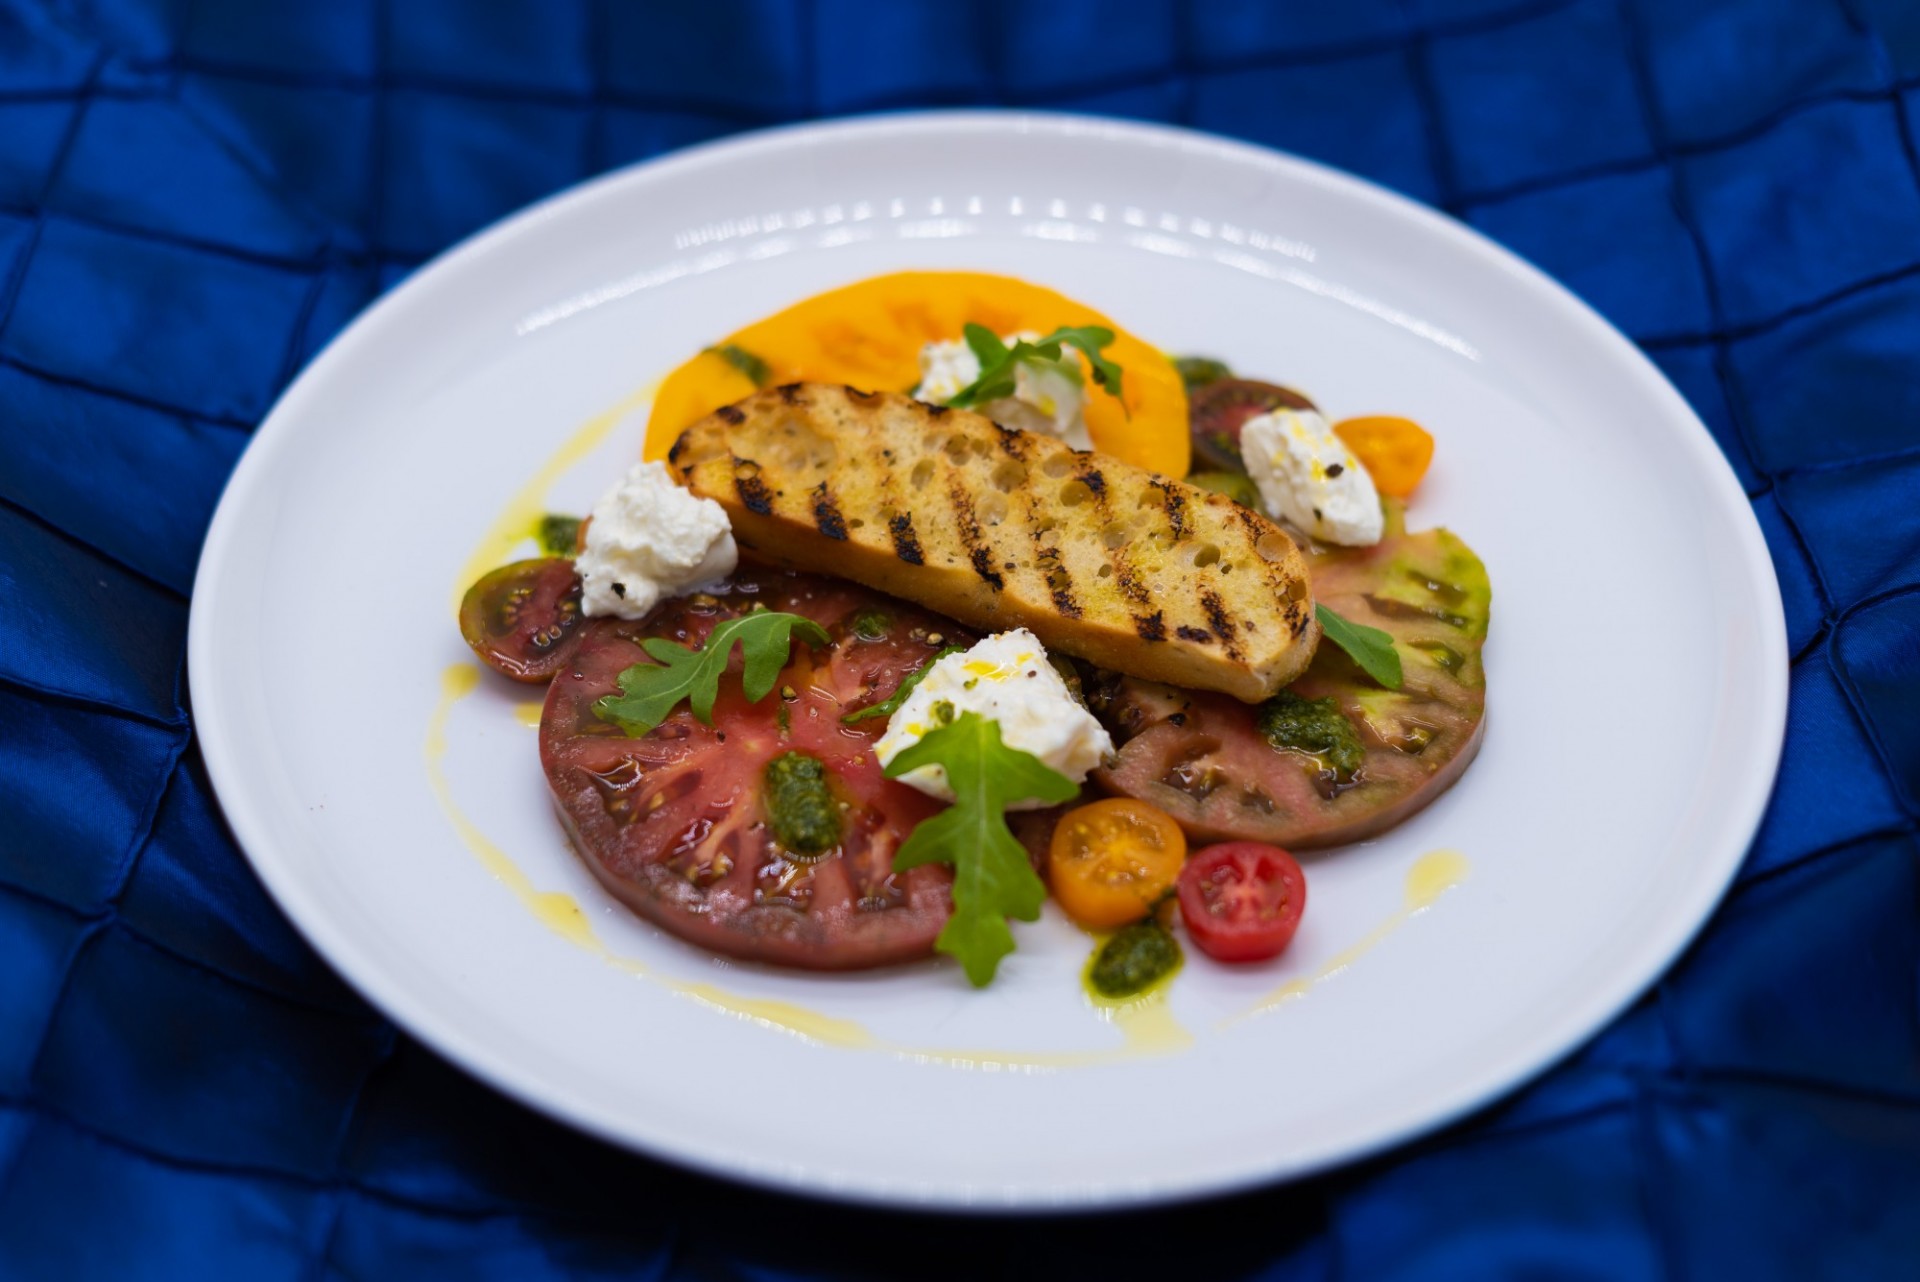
column 869, row 335
column 1395, row 451
column 1112, row 861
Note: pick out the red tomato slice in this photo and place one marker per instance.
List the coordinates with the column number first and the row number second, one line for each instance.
column 523, row 619
column 674, row 822
column 1242, row 900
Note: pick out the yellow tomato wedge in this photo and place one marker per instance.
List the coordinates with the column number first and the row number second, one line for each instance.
column 1395, row 451
column 869, row 335
column 1111, row 861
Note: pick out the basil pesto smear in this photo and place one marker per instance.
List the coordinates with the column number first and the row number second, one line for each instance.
column 800, row 806
column 1315, row 727
column 1198, row 371
column 872, row 624
column 1133, row 959
column 558, row 535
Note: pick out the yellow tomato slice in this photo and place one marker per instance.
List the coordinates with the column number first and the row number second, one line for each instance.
column 1111, row 861
column 869, row 335
column 1395, row 451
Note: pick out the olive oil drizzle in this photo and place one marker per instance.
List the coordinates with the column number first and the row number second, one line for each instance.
column 520, row 519
column 1432, row 875
column 563, row 914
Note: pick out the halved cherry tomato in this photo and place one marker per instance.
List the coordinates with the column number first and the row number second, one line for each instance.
column 1111, row 861
column 1396, row 451
column 521, row 618
column 1242, row 900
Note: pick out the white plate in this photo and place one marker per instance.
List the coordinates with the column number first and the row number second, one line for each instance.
column 1637, row 675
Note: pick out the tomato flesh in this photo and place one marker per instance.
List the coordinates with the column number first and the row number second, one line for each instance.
column 1111, row 861
column 1241, row 900
column 523, row 619
column 1202, row 758
column 674, row 822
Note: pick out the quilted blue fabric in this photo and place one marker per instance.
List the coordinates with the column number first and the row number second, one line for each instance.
column 196, row 194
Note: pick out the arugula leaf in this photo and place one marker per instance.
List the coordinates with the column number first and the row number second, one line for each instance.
column 985, row 345
column 650, row 692
column 1371, row 648
column 1090, row 339
column 891, row 704
column 992, row 879
column 744, row 361
column 997, row 360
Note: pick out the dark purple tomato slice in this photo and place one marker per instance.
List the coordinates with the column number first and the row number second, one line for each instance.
column 682, row 824
column 1204, row 759
column 523, row 619
column 1216, row 412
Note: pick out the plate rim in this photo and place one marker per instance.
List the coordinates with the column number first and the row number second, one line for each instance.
column 1550, row 1042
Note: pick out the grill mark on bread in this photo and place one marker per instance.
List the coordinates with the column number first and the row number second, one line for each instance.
column 969, row 524
column 753, row 491
column 859, row 397
column 1014, row 443
column 938, row 411
column 887, row 488
column 826, row 514
column 1222, row 624
column 790, row 393
column 1046, row 559
column 684, row 440
column 1173, row 504
column 1149, row 624
column 906, row 544
column 1199, row 636
column 1255, row 525
column 1059, row 579
column 731, row 414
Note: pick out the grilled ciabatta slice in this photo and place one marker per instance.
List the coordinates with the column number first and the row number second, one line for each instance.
column 1003, row 529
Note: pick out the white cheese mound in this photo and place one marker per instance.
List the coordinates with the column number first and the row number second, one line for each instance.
column 1308, row 476
column 1047, row 398
column 1008, row 679
column 651, row 539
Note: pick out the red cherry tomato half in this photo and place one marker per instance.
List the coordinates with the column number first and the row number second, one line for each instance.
column 1242, row 900
column 523, row 618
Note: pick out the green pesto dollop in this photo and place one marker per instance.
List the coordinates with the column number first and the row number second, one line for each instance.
column 800, row 806
column 1198, row 371
column 1237, row 486
column 1134, row 959
column 558, row 535
column 1316, row 727
column 871, row 624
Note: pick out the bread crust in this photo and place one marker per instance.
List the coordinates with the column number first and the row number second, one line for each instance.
column 1001, row 529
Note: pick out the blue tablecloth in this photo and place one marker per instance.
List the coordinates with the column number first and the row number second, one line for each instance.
column 196, row 194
